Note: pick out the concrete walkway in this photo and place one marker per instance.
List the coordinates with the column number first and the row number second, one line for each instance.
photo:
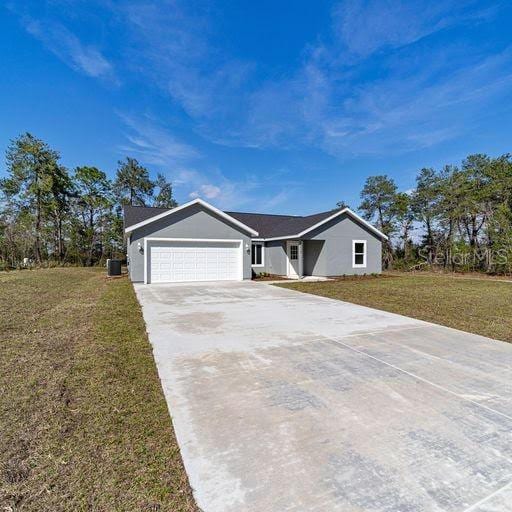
column 283, row 401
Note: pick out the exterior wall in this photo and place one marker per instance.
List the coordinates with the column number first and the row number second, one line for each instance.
column 328, row 250
column 313, row 264
column 274, row 258
column 193, row 222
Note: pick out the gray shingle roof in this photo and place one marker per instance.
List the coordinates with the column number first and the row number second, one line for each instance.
column 268, row 226
column 135, row 214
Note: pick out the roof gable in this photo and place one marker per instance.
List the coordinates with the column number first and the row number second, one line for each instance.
column 349, row 213
column 167, row 212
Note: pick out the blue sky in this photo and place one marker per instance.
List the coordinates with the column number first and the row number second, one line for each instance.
column 282, row 107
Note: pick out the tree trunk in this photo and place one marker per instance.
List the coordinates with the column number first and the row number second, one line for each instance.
column 406, row 243
column 474, row 232
column 448, row 242
column 37, row 249
column 381, row 219
column 61, row 240
column 430, row 242
column 91, row 242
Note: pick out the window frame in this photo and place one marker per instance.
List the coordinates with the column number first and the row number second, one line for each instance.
column 354, row 254
column 262, row 264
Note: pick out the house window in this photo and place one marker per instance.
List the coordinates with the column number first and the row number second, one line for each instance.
column 257, row 255
column 358, row 253
column 294, row 252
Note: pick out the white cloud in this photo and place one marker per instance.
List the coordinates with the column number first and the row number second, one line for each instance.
column 366, row 26
column 205, row 96
column 209, row 191
column 214, row 186
column 270, row 203
column 153, row 144
column 172, row 45
column 246, row 192
column 408, row 113
column 64, row 44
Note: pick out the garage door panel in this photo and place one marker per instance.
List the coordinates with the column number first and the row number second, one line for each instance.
column 186, row 261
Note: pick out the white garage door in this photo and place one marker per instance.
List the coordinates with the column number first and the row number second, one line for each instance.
column 193, row 261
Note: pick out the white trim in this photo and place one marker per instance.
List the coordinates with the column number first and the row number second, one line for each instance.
column 128, row 252
column 146, row 261
column 289, row 266
column 291, row 237
column 300, row 255
column 220, row 213
column 354, row 264
column 201, row 240
column 165, row 239
column 262, row 264
column 348, row 211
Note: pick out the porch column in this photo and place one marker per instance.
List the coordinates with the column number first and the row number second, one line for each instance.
column 301, row 259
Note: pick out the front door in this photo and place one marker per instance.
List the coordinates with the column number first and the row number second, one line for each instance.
column 293, row 259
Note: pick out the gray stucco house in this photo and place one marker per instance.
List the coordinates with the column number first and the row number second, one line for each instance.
column 198, row 242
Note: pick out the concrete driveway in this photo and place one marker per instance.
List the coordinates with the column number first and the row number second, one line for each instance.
column 283, row 401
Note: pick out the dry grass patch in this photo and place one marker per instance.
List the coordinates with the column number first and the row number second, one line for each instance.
column 83, row 418
column 474, row 305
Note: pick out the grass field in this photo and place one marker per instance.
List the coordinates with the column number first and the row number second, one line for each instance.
column 474, row 305
column 83, row 420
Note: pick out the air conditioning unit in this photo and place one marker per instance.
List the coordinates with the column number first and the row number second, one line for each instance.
column 113, row 267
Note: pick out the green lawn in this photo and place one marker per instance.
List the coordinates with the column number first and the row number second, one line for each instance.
column 83, row 420
column 473, row 305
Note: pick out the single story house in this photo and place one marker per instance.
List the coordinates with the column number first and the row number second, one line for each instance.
column 198, row 242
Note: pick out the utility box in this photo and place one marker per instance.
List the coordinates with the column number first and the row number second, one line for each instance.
column 113, row 267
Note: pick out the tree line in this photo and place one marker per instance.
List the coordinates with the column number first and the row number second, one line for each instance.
column 52, row 215
column 456, row 218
